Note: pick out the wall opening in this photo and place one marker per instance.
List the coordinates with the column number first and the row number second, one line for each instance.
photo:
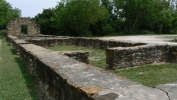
column 24, row 29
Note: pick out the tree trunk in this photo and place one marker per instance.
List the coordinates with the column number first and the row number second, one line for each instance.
column 160, row 29
column 134, row 23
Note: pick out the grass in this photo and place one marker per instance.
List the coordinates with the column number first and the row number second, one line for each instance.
column 15, row 81
column 148, row 75
column 97, row 57
column 151, row 75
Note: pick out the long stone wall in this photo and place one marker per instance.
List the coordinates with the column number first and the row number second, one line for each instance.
column 119, row 54
column 77, row 55
column 121, row 57
column 84, row 42
column 63, row 78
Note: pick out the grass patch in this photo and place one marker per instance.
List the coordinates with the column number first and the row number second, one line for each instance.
column 151, row 75
column 97, row 57
column 15, row 81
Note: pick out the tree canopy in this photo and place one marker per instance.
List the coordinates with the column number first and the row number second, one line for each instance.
column 95, row 17
column 7, row 13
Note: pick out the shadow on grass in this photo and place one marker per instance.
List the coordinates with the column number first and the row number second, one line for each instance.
column 29, row 79
column 13, row 52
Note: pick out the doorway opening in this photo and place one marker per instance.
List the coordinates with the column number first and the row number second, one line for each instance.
column 24, row 29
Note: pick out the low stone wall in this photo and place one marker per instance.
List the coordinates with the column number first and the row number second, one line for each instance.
column 84, row 42
column 81, row 56
column 77, row 55
column 63, row 78
column 121, row 57
column 119, row 54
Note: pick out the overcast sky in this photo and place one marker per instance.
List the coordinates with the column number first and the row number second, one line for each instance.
column 32, row 7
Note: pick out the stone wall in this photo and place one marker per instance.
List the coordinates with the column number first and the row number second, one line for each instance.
column 119, row 54
column 77, row 55
column 63, row 78
column 121, row 57
column 14, row 26
column 81, row 56
column 84, row 42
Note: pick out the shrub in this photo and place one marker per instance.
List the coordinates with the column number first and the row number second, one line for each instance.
column 3, row 32
column 107, row 29
column 146, row 32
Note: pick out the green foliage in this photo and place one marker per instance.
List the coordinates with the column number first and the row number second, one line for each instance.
column 7, row 13
column 3, row 32
column 24, row 29
column 151, row 75
column 77, row 15
column 99, row 18
column 47, row 21
column 107, row 29
column 16, row 82
column 145, row 14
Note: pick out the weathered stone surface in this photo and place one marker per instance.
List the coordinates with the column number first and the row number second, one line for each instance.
column 14, row 26
column 84, row 42
column 87, row 78
column 68, row 79
column 15, row 43
column 77, row 55
column 134, row 92
column 170, row 90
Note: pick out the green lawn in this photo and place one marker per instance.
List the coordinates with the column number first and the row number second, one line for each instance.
column 15, row 82
column 149, row 75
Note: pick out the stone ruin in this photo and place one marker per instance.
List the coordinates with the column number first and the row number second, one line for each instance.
column 63, row 78
column 21, row 26
column 68, row 76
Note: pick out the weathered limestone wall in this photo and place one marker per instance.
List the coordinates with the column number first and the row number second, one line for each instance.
column 77, row 55
column 121, row 57
column 119, row 54
column 14, row 26
column 84, row 42
column 81, row 56
column 63, row 78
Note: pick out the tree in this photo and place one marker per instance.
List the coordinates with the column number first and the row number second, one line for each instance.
column 47, row 21
column 77, row 15
column 7, row 13
column 140, row 14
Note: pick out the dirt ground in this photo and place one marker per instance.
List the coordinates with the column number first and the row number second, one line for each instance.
column 145, row 39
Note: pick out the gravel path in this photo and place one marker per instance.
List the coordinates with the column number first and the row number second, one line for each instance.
column 145, row 39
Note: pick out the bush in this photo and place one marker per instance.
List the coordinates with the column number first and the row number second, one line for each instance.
column 88, row 34
column 146, row 32
column 107, row 29
column 3, row 32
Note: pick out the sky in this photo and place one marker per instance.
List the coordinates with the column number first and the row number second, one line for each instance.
column 30, row 8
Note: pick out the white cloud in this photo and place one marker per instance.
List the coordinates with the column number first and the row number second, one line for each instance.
column 32, row 7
